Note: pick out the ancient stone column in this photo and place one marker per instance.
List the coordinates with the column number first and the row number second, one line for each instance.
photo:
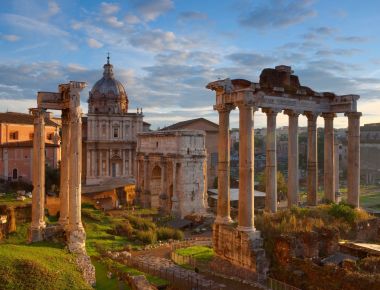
column 223, row 205
column 246, row 169
column 336, row 149
column 329, row 160
column 353, row 168
column 292, row 158
column 146, row 174
column 175, row 209
column 77, row 235
column 64, row 172
column 271, row 162
column 38, row 198
column 164, row 187
column 312, row 158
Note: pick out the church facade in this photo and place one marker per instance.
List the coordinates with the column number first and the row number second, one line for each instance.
column 110, row 132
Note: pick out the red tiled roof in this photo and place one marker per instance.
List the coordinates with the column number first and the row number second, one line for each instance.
column 22, row 118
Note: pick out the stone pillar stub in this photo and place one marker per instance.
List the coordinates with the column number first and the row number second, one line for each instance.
column 223, row 205
column 329, row 160
column 246, row 169
column 312, row 158
column 293, row 181
column 271, row 161
column 38, row 197
column 64, row 172
column 353, row 169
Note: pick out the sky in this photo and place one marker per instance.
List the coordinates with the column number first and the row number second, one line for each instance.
column 165, row 51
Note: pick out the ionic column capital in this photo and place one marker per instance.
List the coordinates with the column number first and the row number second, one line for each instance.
column 224, row 108
column 291, row 113
column 328, row 115
column 353, row 115
column 270, row 111
column 311, row 116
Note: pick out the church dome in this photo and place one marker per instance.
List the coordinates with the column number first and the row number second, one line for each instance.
column 108, row 95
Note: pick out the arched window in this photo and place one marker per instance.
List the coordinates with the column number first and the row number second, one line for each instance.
column 14, row 174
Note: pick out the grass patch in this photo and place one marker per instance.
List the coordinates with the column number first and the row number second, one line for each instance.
column 38, row 267
column 200, row 253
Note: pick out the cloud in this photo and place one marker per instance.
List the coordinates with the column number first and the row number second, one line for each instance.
column 53, row 8
column 109, row 8
column 93, row 43
column 318, row 32
column 154, row 40
column 10, row 37
column 278, row 13
column 114, row 22
column 132, row 19
column 151, row 9
column 351, row 39
column 192, row 15
column 337, row 52
column 36, row 26
column 251, row 59
column 182, row 57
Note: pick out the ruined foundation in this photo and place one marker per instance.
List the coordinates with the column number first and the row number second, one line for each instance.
column 241, row 252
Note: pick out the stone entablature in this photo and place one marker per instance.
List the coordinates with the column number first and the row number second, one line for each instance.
column 171, row 171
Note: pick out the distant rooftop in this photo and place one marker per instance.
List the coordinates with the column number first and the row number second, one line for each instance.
column 22, row 118
column 181, row 125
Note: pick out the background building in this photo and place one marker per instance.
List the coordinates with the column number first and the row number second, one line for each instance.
column 370, row 153
column 110, row 133
column 212, row 130
column 16, row 145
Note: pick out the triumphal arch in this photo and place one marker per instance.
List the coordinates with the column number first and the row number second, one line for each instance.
column 278, row 90
column 67, row 100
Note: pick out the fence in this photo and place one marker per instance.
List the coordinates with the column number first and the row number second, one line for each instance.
column 199, row 241
column 274, row 284
column 181, row 260
column 178, row 278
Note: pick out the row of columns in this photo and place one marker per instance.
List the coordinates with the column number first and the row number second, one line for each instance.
column 70, row 178
column 246, row 161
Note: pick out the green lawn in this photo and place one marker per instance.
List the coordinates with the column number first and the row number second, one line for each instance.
column 10, row 199
column 200, row 253
column 39, row 267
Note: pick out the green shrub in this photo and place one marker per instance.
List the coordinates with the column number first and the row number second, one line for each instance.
column 343, row 211
column 147, row 237
column 165, row 233
column 124, row 229
column 140, row 223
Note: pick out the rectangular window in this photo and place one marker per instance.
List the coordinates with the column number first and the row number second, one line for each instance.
column 31, row 135
column 116, row 132
column 49, row 136
column 13, row 135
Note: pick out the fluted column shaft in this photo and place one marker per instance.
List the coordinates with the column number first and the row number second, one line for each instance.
column 75, row 170
column 64, row 172
column 292, row 158
column 246, row 169
column 312, row 158
column 271, row 162
column 329, row 160
column 223, row 208
column 38, row 197
column 353, row 169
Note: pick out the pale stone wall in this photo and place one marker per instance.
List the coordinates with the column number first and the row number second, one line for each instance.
column 181, row 191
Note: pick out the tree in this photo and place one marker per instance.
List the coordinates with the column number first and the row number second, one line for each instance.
column 52, row 178
column 282, row 186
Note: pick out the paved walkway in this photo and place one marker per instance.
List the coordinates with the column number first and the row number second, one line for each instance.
column 180, row 277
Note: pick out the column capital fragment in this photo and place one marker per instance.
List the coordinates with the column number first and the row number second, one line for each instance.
column 291, row 113
column 353, row 115
column 328, row 115
column 224, row 107
column 311, row 116
column 270, row 111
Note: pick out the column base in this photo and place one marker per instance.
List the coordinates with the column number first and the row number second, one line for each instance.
column 246, row 229
column 77, row 240
column 223, row 220
column 64, row 223
column 36, row 234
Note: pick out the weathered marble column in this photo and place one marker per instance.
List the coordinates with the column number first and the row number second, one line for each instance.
column 293, row 181
column 312, row 158
column 174, row 198
column 271, row 161
column 77, row 235
column 38, row 198
column 246, row 169
column 353, row 168
column 336, row 149
column 64, row 172
column 329, row 160
column 164, row 186
column 146, row 174
column 223, row 205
